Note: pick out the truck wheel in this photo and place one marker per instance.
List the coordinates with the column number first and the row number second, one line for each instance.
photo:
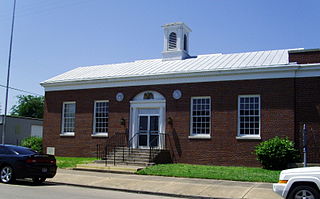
column 304, row 192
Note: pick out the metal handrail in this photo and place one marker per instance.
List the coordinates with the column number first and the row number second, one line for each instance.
column 121, row 139
column 130, row 142
column 152, row 148
column 117, row 140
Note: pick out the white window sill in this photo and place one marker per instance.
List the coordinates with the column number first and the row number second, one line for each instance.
column 200, row 137
column 99, row 135
column 244, row 137
column 70, row 134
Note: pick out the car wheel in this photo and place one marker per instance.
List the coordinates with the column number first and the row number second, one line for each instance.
column 38, row 180
column 6, row 174
column 304, row 192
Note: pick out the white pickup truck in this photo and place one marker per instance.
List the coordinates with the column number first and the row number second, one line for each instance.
column 299, row 183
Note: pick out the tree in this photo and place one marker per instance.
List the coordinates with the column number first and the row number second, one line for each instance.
column 29, row 106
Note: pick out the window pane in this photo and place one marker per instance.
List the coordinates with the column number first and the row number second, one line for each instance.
column 249, row 115
column 69, row 110
column 101, row 116
column 200, row 114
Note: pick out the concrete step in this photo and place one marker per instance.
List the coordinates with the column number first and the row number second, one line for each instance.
column 126, row 156
column 135, row 152
column 125, row 169
column 131, row 163
column 111, row 155
column 120, row 158
column 130, row 154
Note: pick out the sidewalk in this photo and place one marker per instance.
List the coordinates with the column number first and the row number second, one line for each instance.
column 168, row 186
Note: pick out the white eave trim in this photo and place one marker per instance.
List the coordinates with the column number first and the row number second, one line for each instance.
column 266, row 72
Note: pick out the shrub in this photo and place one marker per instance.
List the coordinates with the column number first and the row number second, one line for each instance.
column 276, row 153
column 34, row 143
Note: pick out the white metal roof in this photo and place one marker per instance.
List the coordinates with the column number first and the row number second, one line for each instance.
column 158, row 67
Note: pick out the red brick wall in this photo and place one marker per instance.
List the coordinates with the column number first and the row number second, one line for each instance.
column 308, row 112
column 277, row 119
column 305, row 57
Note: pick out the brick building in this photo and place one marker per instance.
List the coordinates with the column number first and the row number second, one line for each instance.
column 205, row 109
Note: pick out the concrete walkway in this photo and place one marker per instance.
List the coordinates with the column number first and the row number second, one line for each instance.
column 168, row 186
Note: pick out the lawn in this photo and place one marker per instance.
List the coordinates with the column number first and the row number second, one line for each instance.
column 213, row 172
column 66, row 162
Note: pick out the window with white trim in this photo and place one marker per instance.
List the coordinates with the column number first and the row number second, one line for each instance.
column 101, row 116
column 68, row 117
column 249, row 115
column 200, row 116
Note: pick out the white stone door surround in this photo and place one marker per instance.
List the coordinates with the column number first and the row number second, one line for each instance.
column 154, row 103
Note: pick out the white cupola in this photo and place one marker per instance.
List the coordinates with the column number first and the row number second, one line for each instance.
column 176, row 41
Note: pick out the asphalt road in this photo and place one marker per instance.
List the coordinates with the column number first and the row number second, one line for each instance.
column 26, row 190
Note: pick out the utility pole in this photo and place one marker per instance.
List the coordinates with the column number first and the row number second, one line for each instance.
column 8, row 74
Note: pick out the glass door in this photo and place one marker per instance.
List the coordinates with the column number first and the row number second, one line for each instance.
column 154, row 131
column 148, row 131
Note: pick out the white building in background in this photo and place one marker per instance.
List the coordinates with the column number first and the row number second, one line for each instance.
column 19, row 128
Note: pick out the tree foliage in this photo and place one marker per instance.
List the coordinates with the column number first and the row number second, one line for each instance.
column 29, row 106
column 276, row 153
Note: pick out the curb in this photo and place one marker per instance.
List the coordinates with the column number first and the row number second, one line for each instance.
column 135, row 191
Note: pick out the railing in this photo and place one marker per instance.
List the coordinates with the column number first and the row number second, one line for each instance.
column 100, row 151
column 117, row 140
column 156, row 143
column 131, row 144
column 121, row 140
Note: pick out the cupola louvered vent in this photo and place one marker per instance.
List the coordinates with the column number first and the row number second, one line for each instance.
column 176, row 41
column 172, row 41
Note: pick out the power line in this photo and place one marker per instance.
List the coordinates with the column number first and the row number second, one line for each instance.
column 17, row 89
column 41, row 8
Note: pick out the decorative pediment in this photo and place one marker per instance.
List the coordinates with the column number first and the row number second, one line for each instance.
column 149, row 95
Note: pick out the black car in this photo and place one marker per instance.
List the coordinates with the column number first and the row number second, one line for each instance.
column 18, row 162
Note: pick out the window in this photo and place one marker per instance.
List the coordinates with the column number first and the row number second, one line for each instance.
column 200, row 116
column 21, row 150
column 68, row 118
column 185, row 44
column 172, row 41
column 5, row 151
column 101, row 114
column 249, row 116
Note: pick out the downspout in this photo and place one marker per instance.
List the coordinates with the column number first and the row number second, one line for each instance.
column 296, row 126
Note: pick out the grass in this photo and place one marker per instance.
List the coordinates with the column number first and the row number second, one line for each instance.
column 213, row 172
column 67, row 162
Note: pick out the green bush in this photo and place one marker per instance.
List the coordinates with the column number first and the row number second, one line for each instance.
column 34, row 143
column 276, row 153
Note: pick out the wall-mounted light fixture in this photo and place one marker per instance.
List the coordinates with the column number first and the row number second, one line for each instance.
column 170, row 120
column 122, row 122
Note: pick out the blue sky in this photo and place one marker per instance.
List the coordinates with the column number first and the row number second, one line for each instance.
column 52, row 37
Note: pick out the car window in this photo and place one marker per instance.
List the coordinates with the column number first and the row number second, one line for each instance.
column 5, row 151
column 22, row 150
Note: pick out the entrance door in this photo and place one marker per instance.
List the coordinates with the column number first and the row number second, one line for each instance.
column 148, row 131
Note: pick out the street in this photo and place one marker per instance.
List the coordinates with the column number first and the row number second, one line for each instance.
column 26, row 190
